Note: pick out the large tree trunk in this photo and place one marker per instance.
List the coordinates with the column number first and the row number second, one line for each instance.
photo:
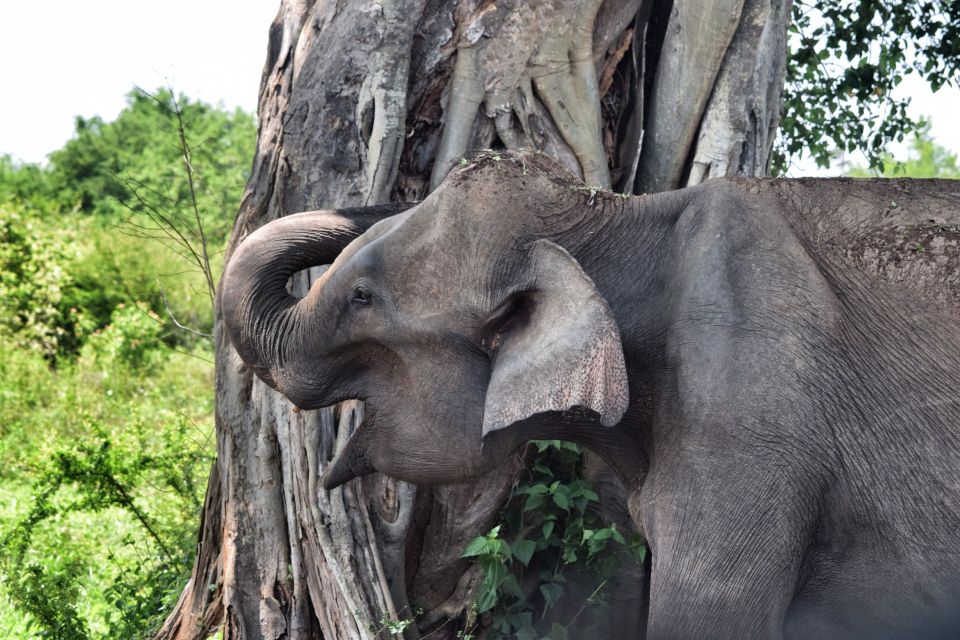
column 366, row 101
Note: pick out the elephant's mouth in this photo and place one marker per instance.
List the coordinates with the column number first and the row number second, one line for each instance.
column 352, row 462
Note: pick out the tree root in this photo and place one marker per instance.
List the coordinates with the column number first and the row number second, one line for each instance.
column 503, row 55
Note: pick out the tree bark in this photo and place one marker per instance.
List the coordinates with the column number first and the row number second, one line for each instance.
column 362, row 102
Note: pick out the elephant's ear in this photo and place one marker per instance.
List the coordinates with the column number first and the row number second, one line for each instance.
column 557, row 346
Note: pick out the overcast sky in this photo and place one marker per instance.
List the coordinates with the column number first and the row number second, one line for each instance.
column 63, row 58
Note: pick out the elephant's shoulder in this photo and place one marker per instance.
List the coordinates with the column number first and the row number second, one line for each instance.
column 731, row 215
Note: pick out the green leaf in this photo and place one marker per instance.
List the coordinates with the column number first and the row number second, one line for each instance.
column 604, row 534
column 551, row 593
column 548, row 528
column 540, row 468
column 486, row 600
column 543, row 445
column 532, row 502
column 494, row 574
column 561, row 500
column 535, row 489
column 511, row 587
column 525, row 633
column 523, row 550
column 478, row 546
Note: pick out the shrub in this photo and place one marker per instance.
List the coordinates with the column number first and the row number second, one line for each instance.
column 33, row 278
column 102, row 480
column 549, row 538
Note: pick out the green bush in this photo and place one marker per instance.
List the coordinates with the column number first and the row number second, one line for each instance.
column 106, row 413
column 104, row 475
column 60, row 287
column 132, row 338
column 33, row 282
column 549, row 538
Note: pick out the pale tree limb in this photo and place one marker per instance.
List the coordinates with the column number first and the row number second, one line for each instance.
column 697, row 37
column 384, row 91
column 466, row 95
column 743, row 113
column 565, row 76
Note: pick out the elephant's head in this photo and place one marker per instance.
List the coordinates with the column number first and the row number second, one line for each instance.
column 452, row 321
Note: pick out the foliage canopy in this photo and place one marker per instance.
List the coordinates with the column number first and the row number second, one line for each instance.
column 845, row 59
column 925, row 159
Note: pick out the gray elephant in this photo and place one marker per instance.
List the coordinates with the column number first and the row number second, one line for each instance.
column 790, row 429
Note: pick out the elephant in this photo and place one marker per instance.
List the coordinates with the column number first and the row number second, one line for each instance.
column 788, row 429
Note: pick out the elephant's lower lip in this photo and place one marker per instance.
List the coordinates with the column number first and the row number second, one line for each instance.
column 335, row 475
column 350, row 463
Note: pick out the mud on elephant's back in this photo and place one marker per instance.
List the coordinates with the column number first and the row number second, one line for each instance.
column 906, row 232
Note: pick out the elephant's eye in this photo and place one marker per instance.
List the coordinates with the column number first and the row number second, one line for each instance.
column 361, row 295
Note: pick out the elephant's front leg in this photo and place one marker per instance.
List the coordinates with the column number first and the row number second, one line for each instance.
column 727, row 546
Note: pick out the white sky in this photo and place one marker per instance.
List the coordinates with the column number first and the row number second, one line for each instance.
column 63, row 58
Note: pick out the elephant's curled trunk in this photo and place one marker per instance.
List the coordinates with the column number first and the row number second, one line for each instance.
column 259, row 313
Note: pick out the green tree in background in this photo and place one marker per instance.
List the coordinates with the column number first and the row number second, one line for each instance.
column 108, row 168
column 25, row 184
column 925, row 159
column 846, row 58
column 114, row 194
column 105, row 409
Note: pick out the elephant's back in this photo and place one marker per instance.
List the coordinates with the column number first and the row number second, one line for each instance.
column 905, row 232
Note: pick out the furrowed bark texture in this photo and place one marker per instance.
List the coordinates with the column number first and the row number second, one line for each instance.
column 366, row 101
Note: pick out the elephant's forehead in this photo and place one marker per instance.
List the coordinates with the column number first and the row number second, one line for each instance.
column 461, row 219
column 440, row 257
column 435, row 262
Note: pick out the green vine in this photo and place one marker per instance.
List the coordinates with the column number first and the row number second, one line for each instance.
column 550, row 547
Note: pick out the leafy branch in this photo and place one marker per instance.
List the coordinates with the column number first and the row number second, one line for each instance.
column 548, row 531
column 845, row 59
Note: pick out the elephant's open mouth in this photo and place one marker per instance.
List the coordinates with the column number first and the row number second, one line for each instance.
column 350, row 463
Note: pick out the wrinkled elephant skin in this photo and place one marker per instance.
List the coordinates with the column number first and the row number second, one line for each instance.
column 790, row 428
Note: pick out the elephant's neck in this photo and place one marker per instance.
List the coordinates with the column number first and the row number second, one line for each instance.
column 625, row 248
column 617, row 232
column 619, row 448
column 624, row 245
